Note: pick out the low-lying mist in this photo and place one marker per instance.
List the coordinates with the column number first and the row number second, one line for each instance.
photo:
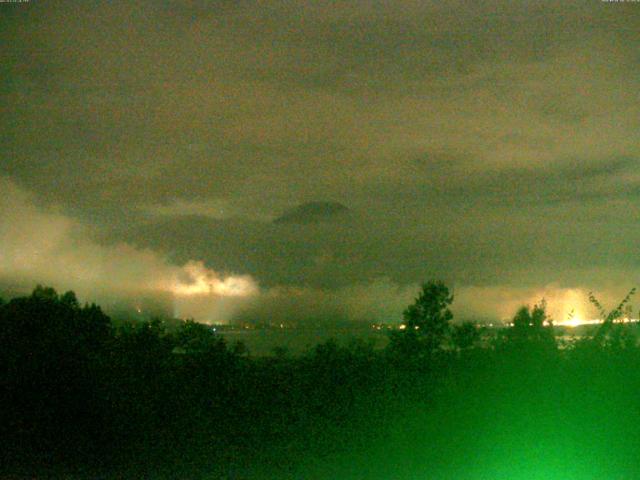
column 49, row 247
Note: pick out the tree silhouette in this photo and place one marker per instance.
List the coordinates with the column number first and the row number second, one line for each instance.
column 612, row 333
column 532, row 327
column 194, row 337
column 465, row 336
column 49, row 360
column 426, row 321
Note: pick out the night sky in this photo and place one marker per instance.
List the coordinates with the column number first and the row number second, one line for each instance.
column 314, row 160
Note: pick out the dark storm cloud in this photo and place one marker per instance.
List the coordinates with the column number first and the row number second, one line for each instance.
column 577, row 180
column 492, row 144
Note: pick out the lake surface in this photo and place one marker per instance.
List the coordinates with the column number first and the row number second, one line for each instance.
column 296, row 341
column 261, row 342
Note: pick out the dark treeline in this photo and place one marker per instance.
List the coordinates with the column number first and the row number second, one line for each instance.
column 82, row 398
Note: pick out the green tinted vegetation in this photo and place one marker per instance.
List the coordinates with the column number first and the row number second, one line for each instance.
column 84, row 399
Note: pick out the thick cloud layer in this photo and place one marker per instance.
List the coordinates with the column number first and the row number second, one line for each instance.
column 491, row 144
column 50, row 248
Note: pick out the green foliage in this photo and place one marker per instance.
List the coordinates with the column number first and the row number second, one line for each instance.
column 69, row 299
column 430, row 311
column 89, row 401
column 193, row 337
column 531, row 329
column 44, row 293
column 465, row 335
column 50, row 351
column 426, row 321
column 280, row 352
column 612, row 333
column 47, row 324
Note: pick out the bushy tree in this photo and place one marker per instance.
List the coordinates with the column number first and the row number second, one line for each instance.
column 194, row 337
column 612, row 333
column 426, row 321
column 50, row 350
column 465, row 335
column 531, row 327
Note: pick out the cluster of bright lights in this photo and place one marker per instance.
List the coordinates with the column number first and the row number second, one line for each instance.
column 576, row 321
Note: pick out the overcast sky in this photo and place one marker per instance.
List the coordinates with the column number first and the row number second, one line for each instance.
column 494, row 145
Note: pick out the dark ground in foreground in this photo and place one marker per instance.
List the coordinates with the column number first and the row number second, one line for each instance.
column 84, row 400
